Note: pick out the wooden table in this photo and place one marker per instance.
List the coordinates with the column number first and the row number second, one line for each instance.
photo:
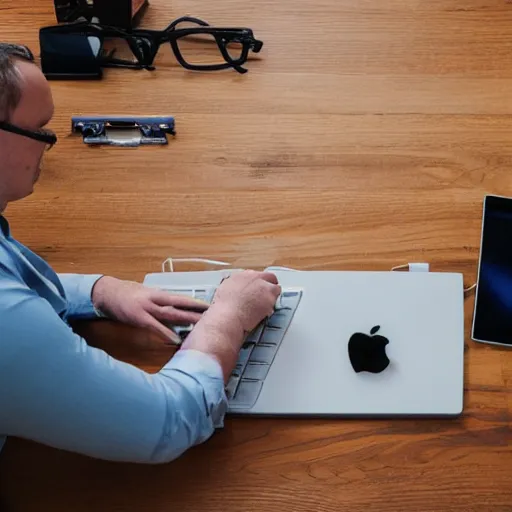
column 364, row 137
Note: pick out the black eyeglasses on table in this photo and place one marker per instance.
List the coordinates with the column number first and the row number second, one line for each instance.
column 198, row 47
column 42, row 135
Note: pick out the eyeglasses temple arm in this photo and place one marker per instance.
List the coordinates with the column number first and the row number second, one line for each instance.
column 186, row 19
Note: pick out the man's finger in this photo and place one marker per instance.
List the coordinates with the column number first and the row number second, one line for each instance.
column 273, row 296
column 161, row 329
column 176, row 316
column 275, row 289
column 178, row 301
column 268, row 276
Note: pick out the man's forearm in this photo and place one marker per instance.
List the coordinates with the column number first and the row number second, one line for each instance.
column 218, row 334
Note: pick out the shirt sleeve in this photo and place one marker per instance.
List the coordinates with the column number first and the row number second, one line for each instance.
column 78, row 290
column 57, row 390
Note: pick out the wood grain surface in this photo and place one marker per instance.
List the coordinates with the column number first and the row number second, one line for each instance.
column 364, row 136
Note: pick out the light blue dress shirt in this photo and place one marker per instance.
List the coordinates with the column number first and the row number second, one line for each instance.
column 57, row 390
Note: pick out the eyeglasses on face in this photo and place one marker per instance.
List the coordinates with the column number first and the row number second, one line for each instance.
column 198, row 47
column 42, row 135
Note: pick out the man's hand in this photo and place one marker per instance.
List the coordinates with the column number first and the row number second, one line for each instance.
column 249, row 296
column 135, row 304
column 240, row 303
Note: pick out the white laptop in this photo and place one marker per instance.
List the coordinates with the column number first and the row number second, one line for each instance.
column 364, row 344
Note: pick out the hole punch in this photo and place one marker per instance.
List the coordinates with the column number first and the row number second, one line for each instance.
column 124, row 131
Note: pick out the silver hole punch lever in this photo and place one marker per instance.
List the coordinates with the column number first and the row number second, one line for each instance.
column 124, row 131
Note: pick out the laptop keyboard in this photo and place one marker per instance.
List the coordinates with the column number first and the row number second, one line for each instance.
column 259, row 349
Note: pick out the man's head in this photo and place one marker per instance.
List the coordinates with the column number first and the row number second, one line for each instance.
column 26, row 106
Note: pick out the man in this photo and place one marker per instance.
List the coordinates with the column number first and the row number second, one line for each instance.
column 57, row 390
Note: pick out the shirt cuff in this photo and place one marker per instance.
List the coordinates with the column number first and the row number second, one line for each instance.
column 78, row 289
column 208, row 372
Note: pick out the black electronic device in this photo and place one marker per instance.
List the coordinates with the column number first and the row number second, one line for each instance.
column 492, row 318
column 115, row 13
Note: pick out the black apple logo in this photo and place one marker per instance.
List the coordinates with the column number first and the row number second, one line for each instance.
column 367, row 353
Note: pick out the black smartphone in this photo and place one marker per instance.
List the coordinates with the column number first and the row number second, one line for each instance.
column 492, row 317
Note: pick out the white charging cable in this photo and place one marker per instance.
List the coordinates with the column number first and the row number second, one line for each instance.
column 470, row 288
column 424, row 267
column 411, row 267
column 170, row 262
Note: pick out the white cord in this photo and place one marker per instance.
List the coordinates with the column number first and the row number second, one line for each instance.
column 171, row 261
column 470, row 288
column 424, row 267
column 412, row 267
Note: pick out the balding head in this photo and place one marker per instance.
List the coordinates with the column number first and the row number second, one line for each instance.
column 25, row 103
column 10, row 78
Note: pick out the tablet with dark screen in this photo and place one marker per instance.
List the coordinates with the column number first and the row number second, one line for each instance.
column 492, row 318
